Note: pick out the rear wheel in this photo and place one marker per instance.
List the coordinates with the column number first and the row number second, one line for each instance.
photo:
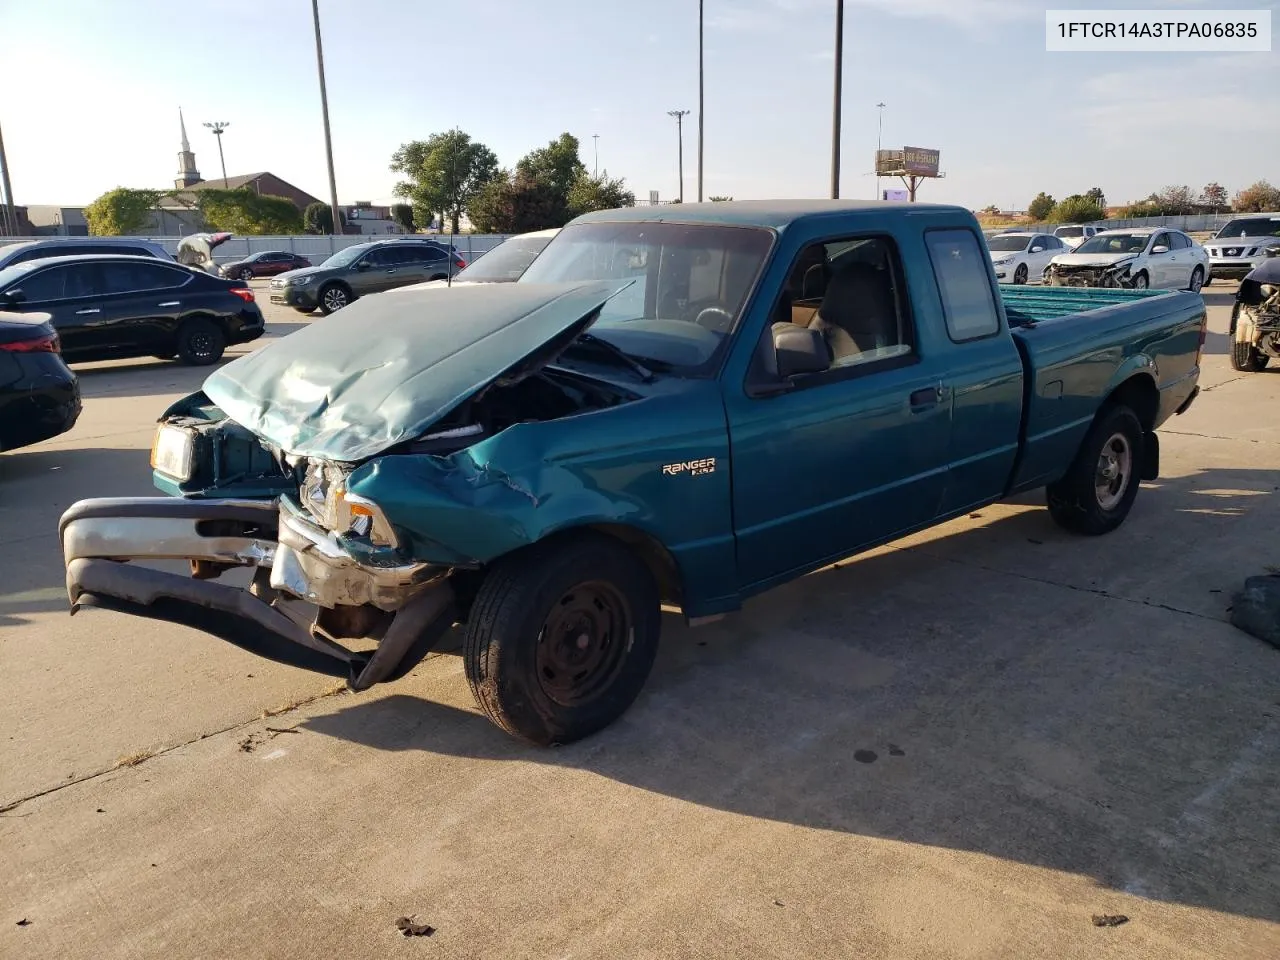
column 200, row 342
column 1020, row 275
column 304, row 309
column 1099, row 488
column 1245, row 357
column 561, row 638
column 333, row 298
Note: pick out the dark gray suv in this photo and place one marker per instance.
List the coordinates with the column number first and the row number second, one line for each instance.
column 360, row 270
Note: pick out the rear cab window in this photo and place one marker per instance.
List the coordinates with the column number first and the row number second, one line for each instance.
column 961, row 271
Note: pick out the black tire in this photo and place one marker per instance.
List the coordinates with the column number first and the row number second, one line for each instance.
column 1245, row 357
column 1208, row 280
column 1197, row 280
column 1077, row 502
column 201, row 342
column 516, row 652
column 1020, row 275
column 305, row 309
column 333, row 297
column 246, row 274
column 1141, row 281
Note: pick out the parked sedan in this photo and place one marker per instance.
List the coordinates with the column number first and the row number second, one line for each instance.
column 1155, row 257
column 266, row 263
column 106, row 307
column 39, row 395
column 1020, row 256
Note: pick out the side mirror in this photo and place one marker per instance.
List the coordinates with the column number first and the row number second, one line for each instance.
column 362, row 264
column 11, row 298
column 799, row 350
column 1160, row 249
column 1273, row 251
column 1037, row 249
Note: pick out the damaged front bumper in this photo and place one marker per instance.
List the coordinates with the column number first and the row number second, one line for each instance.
column 1112, row 276
column 307, row 591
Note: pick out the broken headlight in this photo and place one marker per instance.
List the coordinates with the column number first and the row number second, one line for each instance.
column 324, row 495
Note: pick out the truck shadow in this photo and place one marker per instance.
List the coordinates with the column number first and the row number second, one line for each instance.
column 1003, row 689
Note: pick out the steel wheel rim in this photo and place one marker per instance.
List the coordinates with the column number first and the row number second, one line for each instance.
column 1114, row 471
column 201, row 345
column 335, row 299
column 583, row 643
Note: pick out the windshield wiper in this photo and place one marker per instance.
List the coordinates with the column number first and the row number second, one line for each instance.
column 643, row 372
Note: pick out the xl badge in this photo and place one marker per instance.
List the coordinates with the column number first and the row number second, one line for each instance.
column 692, row 467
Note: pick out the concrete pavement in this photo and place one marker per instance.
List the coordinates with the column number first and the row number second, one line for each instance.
column 962, row 745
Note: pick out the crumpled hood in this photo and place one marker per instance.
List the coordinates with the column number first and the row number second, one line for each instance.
column 382, row 370
column 1092, row 259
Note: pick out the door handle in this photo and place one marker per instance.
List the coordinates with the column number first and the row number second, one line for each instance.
column 170, row 303
column 81, row 313
column 926, row 397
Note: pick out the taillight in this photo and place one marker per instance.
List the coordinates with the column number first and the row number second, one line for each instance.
column 39, row 345
column 244, row 293
column 461, row 263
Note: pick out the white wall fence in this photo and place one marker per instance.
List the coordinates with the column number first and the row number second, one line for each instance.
column 314, row 248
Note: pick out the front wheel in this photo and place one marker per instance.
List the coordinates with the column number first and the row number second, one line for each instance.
column 246, row 274
column 561, row 637
column 1197, row 280
column 1099, row 488
column 1020, row 275
column 1245, row 357
column 333, row 298
column 1140, row 282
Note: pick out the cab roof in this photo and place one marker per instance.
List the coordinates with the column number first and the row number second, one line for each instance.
column 777, row 214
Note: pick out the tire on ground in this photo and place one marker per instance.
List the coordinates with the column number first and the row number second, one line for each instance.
column 1075, row 502
column 325, row 293
column 201, row 342
column 528, row 604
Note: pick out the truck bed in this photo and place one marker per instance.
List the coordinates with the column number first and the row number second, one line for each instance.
column 1079, row 345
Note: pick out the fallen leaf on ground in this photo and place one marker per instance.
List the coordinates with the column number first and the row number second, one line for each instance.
column 409, row 928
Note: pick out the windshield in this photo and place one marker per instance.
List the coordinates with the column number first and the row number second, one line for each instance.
column 1069, row 232
column 505, row 262
column 1251, row 227
column 691, row 284
column 347, row 256
column 1115, row 243
column 1007, row 242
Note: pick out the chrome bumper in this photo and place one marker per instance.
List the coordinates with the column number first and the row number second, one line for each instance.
column 293, row 559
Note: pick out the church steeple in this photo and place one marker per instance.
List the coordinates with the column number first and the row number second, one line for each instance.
column 187, row 172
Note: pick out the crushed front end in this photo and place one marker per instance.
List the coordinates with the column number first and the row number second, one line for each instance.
column 1114, row 275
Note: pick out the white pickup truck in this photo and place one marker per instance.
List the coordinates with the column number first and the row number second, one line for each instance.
column 1074, row 234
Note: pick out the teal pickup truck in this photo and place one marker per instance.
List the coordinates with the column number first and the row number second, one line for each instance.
column 674, row 407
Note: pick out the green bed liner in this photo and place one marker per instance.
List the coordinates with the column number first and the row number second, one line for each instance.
column 1025, row 304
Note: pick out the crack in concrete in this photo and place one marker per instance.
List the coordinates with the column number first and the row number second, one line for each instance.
column 1214, row 436
column 117, row 766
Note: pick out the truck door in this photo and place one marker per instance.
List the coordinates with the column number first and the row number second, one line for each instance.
column 984, row 372
column 851, row 456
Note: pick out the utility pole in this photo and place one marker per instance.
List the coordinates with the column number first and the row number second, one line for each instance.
column 835, row 107
column 10, row 214
column 680, row 115
column 700, row 4
column 324, row 109
column 217, row 129
column 596, row 138
column 879, row 134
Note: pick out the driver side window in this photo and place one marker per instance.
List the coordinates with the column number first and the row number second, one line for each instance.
column 852, row 293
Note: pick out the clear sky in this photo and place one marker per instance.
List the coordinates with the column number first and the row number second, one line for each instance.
column 92, row 90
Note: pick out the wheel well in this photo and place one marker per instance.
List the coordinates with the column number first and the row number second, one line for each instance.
column 336, row 283
column 655, row 556
column 218, row 322
column 1140, row 395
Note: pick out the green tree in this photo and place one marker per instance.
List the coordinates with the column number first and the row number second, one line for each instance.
column 1260, row 197
column 598, row 193
column 557, row 164
column 1077, row 208
column 318, row 218
column 247, row 212
column 121, row 211
column 719, row 199
column 402, row 213
column 1040, row 208
column 1098, row 198
column 1214, row 196
column 510, row 203
column 443, row 174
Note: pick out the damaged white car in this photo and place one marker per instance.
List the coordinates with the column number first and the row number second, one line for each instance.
column 1155, row 257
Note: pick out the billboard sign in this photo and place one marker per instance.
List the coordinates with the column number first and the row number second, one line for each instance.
column 895, row 195
column 920, row 161
column 888, row 161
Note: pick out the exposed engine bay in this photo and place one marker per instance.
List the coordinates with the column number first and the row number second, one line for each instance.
column 1078, row 275
column 1259, row 317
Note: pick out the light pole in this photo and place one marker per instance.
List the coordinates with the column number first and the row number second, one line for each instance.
column 835, row 107
column 10, row 214
column 596, row 138
column 324, row 109
column 680, row 115
column 217, row 129
column 879, row 132
column 700, row 4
